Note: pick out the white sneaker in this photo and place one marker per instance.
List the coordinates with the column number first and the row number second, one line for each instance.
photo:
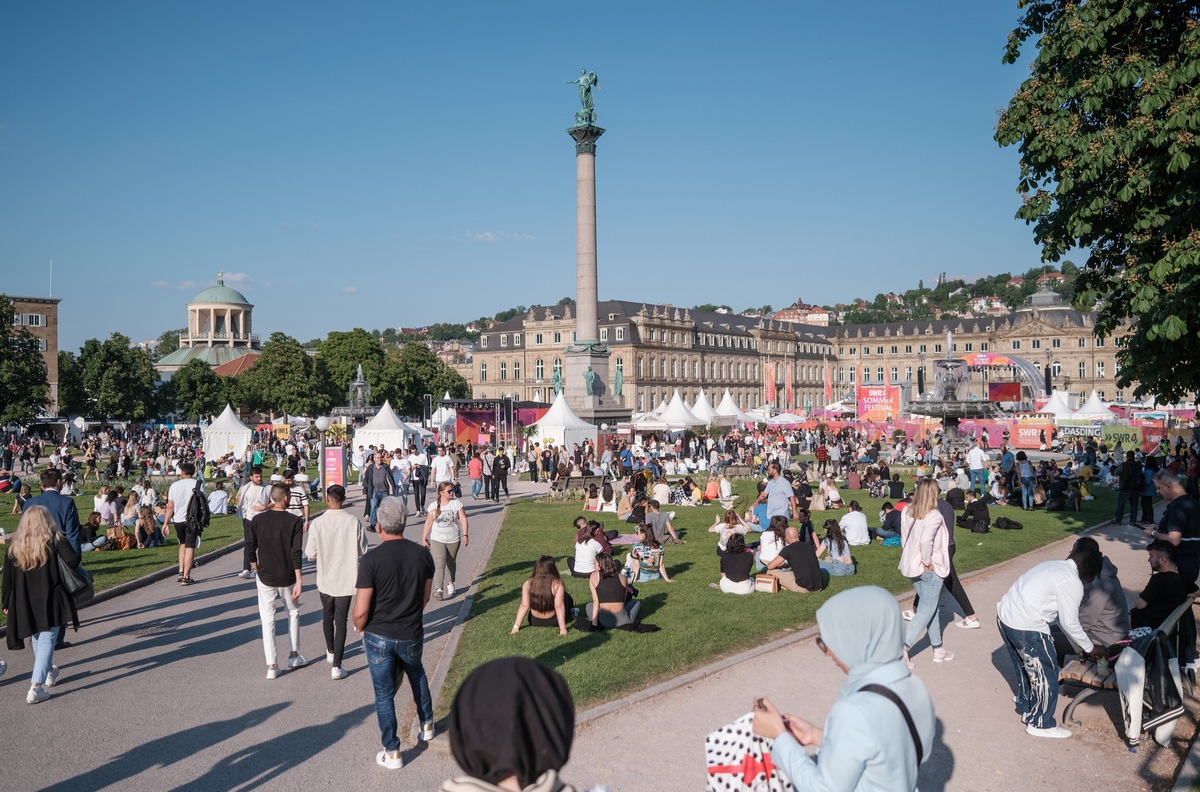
column 52, row 676
column 329, row 658
column 337, row 673
column 427, row 731
column 392, row 760
column 245, row 574
column 36, row 695
column 968, row 624
column 450, row 591
column 273, row 672
column 1054, row 732
column 940, row 655
column 297, row 662
column 907, row 614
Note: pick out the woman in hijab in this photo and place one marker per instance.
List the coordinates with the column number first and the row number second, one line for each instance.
column 867, row 742
column 511, row 728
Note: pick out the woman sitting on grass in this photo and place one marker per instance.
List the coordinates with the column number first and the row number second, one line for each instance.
column 544, row 598
column 737, row 564
column 19, row 502
column 839, row 564
column 729, row 524
column 587, row 547
column 608, row 607
column 833, row 498
column 772, row 542
column 146, row 529
column 608, row 498
column 129, row 514
column 592, row 501
column 647, row 559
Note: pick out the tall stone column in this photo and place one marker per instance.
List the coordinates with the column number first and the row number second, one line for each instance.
column 586, row 291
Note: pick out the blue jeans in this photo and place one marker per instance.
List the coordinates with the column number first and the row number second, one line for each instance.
column 43, row 654
column 1032, row 655
column 1027, row 492
column 980, row 475
column 476, row 487
column 837, row 568
column 929, row 589
column 386, row 659
column 1130, row 497
column 376, row 499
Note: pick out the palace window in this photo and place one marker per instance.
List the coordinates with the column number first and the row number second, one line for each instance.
column 483, row 372
column 539, row 370
column 503, row 372
column 620, row 333
column 516, row 371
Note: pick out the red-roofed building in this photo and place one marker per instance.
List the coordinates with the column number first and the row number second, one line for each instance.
column 1015, row 283
column 237, row 366
column 1050, row 278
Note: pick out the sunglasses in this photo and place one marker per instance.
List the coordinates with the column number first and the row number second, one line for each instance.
column 821, row 645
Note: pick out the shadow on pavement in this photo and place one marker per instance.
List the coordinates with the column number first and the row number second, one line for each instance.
column 936, row 773
column 166, row 751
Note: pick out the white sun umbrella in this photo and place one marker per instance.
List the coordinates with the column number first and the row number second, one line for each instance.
column 702, row 409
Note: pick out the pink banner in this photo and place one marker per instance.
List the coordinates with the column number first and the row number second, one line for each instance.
column 335, row 467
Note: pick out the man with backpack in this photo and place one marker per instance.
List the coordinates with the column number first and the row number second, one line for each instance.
column 1129, row 483
column 182, row 501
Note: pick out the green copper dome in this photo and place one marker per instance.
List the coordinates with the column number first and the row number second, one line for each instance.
column 221, row 294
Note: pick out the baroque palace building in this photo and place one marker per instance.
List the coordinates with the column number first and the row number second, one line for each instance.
column 658, row 348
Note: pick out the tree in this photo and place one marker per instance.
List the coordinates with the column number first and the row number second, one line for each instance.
column 118, row 379
column 712, row 308
column 24, row 382
column 168, row 342
column 414, row 372
column 1106, row 128
column 72, row 394
column 197, row 392
column 283, row 380
column 339, row 357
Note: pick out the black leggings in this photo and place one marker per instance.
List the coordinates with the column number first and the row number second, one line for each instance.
column 955, row 587
column 334, row 611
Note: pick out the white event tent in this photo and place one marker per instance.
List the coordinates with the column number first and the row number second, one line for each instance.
column 728, row 408
column 226, row 435
column 1057, row 406
column 677, row 415
column 1094, row 410
column 386, row 430
column 560, row 426
column 702, row 409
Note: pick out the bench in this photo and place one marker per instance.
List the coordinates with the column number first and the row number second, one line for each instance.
column 582, row 483
column 739, row 471
column 1086, row 674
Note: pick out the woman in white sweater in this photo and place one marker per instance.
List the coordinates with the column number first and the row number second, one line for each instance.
column 925, row 560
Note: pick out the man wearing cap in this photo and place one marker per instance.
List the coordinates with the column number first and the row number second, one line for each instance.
column 297, row 503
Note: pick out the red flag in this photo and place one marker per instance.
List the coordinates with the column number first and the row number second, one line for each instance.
column 828, row 384
column 770, row 374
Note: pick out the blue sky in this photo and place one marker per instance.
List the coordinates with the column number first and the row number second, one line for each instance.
column 374, row 164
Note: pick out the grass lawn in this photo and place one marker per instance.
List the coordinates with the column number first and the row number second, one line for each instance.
column 698, row 624
column 111, row 568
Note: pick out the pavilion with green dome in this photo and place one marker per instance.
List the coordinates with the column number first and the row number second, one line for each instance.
column 219, row 329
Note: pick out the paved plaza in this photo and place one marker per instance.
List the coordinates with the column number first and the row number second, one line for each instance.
column 164, row 688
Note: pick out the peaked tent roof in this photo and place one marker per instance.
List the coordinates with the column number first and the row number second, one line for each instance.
column 702, row 409
column 727, row 407
column 678, row 414
column 561, row 414
column 1094, row 408
column 226, row 435
column 228, row 421
column 1057, row 405
column 386, row 420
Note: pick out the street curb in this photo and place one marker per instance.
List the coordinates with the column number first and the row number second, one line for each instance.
column 609, row 707
column 146, row 580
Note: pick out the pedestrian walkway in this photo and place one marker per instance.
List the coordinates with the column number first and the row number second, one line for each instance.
column 165, row 688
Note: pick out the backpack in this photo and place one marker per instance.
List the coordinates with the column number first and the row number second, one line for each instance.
column 1131, row 475
column 198, row 514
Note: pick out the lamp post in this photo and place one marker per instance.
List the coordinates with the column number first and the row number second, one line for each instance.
column 322, row 423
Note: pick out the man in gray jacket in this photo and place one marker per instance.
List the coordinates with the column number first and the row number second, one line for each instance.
column 1103, row 613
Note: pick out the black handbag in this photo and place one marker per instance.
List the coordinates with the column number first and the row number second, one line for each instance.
column 76, row 580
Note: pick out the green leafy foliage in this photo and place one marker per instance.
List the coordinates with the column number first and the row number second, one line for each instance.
column 283, row 380
column 118, row 380
column 1106, row 127
column 72, row 395
column 24, row 387
column 168, row 342
column 197, row 392
column 408, row 376
column 339, row 357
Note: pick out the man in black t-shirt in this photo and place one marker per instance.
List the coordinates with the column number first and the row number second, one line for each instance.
column 1180, row 524
column 394, row 584
column 274, row 544
column 796, row 565
column 1165, row 591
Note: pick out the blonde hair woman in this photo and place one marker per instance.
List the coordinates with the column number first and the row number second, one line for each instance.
column 33, row 595
column 445, row 529
column 925, row 560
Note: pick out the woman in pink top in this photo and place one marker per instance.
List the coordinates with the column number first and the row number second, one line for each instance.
column 925, row 560
column 475, row 473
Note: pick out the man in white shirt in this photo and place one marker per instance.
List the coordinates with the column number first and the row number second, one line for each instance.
column 1049, row 592
column 977, row 461
column 336, row 541
column 218, row 499
column 401, row 472
column 442, row 467
column 253, row 499
column 179, row 497
column 854, row 526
